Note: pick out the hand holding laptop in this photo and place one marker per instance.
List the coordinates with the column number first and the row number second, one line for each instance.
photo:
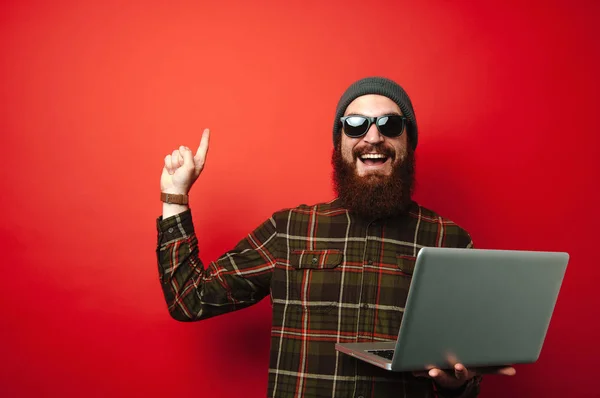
column 462, row 375
column 501, row 306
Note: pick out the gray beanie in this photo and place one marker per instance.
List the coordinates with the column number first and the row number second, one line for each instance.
column 381, row 86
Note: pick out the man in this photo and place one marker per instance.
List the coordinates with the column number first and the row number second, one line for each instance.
column 337, row 271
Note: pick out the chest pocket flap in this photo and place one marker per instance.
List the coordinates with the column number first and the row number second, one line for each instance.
column 316, row 259
column 406, row 264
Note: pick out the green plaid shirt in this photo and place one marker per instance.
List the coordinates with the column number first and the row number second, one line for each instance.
column 331, row 277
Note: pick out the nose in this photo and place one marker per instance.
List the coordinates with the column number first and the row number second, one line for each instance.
column 373, row 135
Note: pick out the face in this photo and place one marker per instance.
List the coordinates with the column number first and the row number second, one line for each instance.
column 373, row 175
column 373, row 154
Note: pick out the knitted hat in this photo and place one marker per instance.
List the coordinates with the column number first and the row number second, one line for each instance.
column 381, row 86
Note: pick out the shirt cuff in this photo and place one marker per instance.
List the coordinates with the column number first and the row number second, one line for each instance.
column 179, row 226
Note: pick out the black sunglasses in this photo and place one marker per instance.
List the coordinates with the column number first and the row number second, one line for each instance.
column 388, row 125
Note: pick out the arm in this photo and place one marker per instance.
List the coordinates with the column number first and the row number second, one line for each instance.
column 238, row 279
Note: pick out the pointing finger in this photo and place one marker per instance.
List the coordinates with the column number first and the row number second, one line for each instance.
column 200, row 156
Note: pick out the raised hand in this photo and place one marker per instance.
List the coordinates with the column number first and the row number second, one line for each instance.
column 182, row 168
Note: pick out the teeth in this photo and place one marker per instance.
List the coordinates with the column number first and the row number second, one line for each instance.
column 373, row 156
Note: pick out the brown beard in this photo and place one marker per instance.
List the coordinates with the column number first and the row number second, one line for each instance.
column 374, row 196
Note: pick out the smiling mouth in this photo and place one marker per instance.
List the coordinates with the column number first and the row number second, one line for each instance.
column 373, row 159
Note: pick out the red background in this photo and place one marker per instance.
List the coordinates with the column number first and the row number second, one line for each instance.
column 93, row 96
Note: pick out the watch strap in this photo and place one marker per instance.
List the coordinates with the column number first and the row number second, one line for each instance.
column 173, row 198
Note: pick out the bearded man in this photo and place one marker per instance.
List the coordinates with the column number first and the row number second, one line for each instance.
column 337, row 272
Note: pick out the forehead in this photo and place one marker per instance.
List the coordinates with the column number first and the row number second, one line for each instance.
column 372, row 105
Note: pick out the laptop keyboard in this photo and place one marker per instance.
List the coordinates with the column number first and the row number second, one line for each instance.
column 387, row 354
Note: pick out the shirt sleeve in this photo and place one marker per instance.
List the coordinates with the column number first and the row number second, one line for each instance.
column 238, row 279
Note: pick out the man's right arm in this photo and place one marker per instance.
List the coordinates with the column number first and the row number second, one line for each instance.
column 238, row 279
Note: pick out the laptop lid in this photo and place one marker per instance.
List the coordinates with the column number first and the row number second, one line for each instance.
column 478, row 307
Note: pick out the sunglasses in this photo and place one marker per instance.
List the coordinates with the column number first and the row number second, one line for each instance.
column 388, row 125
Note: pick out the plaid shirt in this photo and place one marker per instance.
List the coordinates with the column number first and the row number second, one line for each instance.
column 331, row 277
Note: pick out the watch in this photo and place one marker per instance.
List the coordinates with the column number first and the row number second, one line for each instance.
column 174, row 198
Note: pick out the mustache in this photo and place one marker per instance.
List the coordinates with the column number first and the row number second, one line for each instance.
column 370, row 148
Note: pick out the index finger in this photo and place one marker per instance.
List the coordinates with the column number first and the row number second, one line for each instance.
column 203, row 147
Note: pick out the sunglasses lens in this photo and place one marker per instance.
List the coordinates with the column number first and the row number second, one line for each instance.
column 391, row 126
column 355, row 126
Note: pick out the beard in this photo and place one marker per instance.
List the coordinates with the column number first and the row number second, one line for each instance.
column 374, row 196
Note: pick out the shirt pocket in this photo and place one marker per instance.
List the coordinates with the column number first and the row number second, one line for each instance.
column 316, row 278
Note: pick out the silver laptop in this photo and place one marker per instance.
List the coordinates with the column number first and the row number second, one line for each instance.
column 472, row 306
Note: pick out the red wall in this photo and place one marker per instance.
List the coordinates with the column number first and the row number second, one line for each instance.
column 94, row 96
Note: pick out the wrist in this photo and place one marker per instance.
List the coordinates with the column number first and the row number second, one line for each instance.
column 170, row 210
column 173, row 203
column 175, row 191
column 172, row 198
column 454, row 391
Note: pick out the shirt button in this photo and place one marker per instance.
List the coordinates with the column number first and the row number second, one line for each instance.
column 370, row 262
column 170, row 230
column 314, row 260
